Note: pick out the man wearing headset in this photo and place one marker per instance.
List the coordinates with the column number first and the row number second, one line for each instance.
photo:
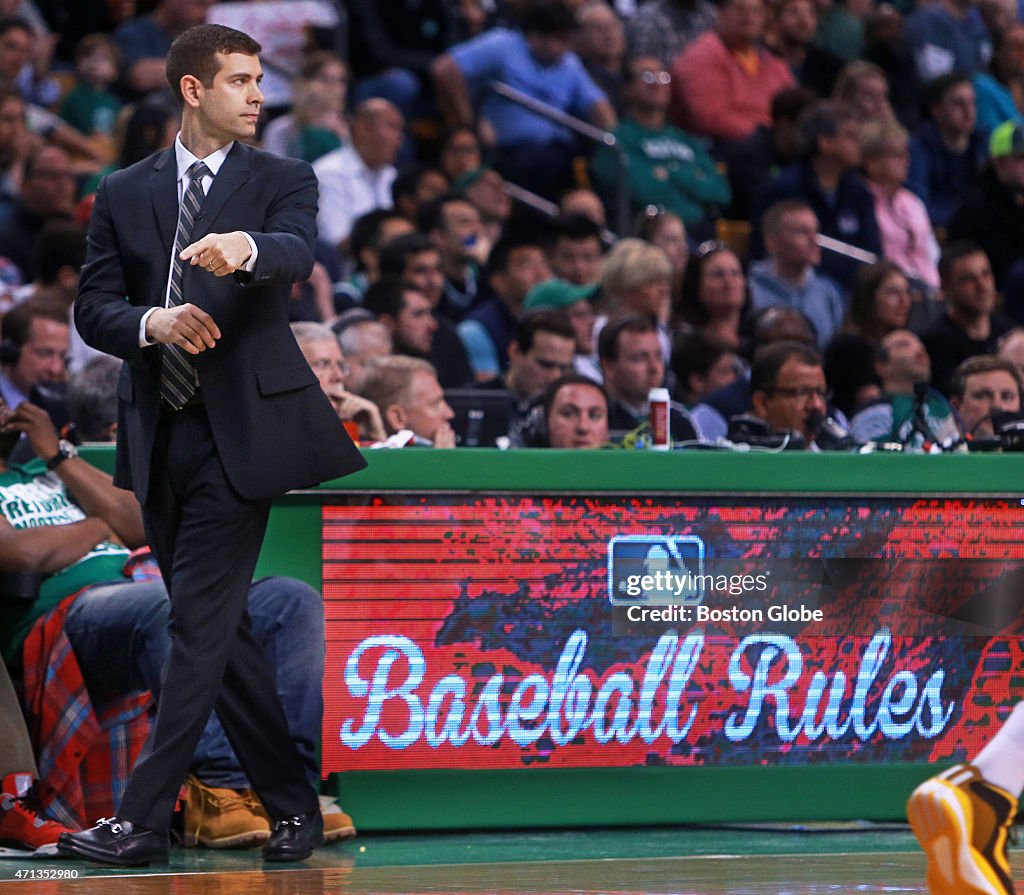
column 981, row 386
column 36, row 341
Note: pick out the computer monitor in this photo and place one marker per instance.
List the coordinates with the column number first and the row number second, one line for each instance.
column 482, row 415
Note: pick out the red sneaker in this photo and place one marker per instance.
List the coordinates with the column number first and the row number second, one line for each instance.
column 21, row 826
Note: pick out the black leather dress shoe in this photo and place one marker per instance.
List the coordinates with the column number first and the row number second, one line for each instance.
column 114, row 841
column 294, row 838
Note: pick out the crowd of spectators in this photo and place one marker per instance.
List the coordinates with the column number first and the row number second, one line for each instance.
column 843, row 179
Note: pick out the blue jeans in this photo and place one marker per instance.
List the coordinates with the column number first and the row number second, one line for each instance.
column 119, row 635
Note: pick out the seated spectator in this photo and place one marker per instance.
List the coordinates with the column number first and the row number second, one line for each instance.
column 992, row 213
column 577, row 303
column 828, row 180
column 982, row 386
column 702, row 364
column 788, row 390
column 667, row 167
column 881, row 302
column 945, row 37
column 903, row 366
column 22, row 827
column 360, row 336
column 415, row 187
column 532, row 152
column 117, row 631
column 574, row 253
column 406, row 313
column 576, row 413
column 714, row 294
column 316, row 123
column 636, row 278
column 89, row 106
column 320, row 347
column 516, row 265
column 772, row 325
column 723, row 82
column 791, row 38
column 970, row 325
column 998, row 92
column 92, row 403
column 907, row 235
column 1011, row 348
column 369, row 232
column 755, row 162
column 416, row 259
column 456, row 228
column 408, row 395
column 35, row 349
column 633, row 363
column 459, row 152
column 145, row 40
column 788, row 276
column 661, row 28
column 600, row 43
column 666, row 230
column 947, row 149
column 864, row 87
column 47, row 194
column 885, row 46
column 540, row 351
column 485, row 188
column 16, row 144
column 357, row 178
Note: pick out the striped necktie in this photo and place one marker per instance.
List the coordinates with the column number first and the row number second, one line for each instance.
column 177, row 373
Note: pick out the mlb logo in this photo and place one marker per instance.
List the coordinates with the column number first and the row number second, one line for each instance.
column 655, row 570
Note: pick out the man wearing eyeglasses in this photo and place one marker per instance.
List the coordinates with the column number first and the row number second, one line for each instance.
column 788, row 389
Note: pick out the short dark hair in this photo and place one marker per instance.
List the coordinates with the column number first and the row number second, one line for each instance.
column 395, row 255
column 554, row 17
column 541, row 320
column 59, row 244
column 935, row 90
column 11, row 23
column 575, row 228
column 982, row 363
column 822, row 119
column 387, row 296
column 366, row 231
column 92, row 398
column 954, row 252
column 611, row 335
column 551, row 392
column 501, row 253
column 771, row 220
column 696, row 352
column 431, row 214
column 194, row 52
column 764, row 370
column 17, row 323
column 98, row 41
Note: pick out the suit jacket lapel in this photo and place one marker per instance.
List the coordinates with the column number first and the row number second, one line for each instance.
column 230, row 178
column 163, row 188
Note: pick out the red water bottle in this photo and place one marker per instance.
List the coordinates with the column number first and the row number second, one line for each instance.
column 658, row 419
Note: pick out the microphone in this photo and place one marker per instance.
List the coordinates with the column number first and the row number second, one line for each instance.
column 828, row 434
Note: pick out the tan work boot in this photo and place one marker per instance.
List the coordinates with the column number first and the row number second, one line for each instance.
column 223, row 818
column 337, row 824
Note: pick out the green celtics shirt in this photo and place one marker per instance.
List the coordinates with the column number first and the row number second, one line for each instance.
column 31, row 497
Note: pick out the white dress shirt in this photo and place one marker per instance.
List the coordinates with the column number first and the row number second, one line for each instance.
column 348, row 190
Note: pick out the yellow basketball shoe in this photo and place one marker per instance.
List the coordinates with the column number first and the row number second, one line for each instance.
column 963, row 823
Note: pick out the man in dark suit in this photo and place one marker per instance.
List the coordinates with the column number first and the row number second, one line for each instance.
column 218, row 412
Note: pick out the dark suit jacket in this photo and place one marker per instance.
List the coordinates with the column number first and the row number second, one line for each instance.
column 274, row 428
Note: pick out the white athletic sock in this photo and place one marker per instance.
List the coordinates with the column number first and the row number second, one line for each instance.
column 1002, row 761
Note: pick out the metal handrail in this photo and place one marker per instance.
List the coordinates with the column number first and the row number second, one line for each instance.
column 584, row 129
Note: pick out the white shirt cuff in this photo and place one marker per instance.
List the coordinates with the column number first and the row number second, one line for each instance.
column 250, row 265
column 143, row 341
